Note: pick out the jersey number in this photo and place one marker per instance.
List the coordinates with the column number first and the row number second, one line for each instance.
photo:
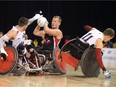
column 87, row 37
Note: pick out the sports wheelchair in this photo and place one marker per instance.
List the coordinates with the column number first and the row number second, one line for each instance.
column 79, row 50
column 85, row 54
column 36, row 63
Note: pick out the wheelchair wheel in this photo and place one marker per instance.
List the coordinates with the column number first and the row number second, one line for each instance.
column 59, row 64
column 89, row 65
column 67, row 46
column 11, row 60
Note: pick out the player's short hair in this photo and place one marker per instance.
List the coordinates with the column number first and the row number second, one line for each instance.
column 23, row 21
column 60, row 19
column 1, row 33
column 110, row 32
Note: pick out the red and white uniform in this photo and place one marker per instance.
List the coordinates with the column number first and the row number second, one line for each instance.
column 56, row 42
column 51, row 42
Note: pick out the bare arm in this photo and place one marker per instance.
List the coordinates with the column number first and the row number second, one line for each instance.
column 11, row 34
column 55, row 32
column 39, row 33
column 99, row 43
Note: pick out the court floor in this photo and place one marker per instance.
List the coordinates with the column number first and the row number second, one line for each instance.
column 70, row 79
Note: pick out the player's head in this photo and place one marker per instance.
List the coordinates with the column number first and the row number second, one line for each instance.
column 109, row 33
column 56, row 21
column 1, row 34
column 23, row 22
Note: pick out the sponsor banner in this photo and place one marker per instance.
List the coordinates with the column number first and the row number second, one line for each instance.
column 109, row 57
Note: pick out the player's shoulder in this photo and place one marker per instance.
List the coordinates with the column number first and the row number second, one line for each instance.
column 58, row 30
column 95, row 30
column 12, row 31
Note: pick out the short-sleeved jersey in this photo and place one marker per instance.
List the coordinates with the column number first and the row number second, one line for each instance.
column 19, row 38
column 92, row 36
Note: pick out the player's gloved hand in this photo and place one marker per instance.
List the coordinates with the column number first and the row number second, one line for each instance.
column 3, row 54
column 107, row 74
column 37, row 16
column 42, row 22
column 31, row 20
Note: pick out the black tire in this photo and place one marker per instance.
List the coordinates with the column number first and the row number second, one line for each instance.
column 89, row 65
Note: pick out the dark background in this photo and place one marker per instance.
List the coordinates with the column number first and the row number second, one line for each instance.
column 75, row 14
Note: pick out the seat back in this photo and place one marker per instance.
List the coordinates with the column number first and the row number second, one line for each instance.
column 75, row 47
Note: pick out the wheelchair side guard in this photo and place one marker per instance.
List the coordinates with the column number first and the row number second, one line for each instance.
column 74, row 45
column 89, row 65
column 59, row 64
column 66, row 47
column 72, row 51
column 11, row 60
column 69, row 59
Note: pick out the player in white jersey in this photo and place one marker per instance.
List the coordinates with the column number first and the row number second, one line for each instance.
column 19, row 38
column 96, row 38
column 16, row 34
column 92, row 36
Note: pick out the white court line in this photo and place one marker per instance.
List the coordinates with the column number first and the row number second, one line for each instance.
column 112, row 70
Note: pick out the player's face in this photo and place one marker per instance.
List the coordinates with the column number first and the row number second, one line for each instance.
column 107, row 38
column 55, row 23
column 25, row 27
column 1, row 35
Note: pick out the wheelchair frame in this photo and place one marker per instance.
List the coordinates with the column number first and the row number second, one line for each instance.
column 83, row 49
column 29, row 66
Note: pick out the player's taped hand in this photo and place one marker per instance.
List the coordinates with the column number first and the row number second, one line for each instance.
column 107, row 74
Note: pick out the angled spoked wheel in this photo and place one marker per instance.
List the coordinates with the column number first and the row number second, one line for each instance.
column 11, row 60
column 59, row 64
